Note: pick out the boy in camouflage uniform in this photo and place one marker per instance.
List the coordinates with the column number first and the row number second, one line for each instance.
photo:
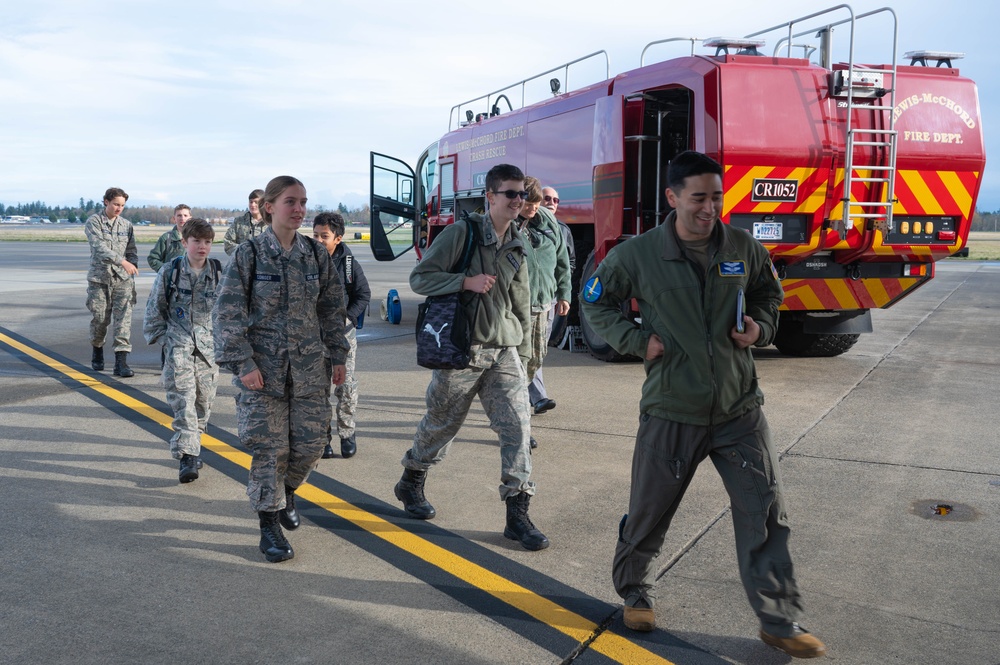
column 110, row 283
column 247, row 226
column 497, row 299
column 328, row 230
column 279, row 328
column 179, row 315
column 169, row 245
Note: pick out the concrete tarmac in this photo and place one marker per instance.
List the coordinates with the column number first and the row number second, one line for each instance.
column 105, row 558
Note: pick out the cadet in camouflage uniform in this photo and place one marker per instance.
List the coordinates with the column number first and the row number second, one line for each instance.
column 701, row 396
column 168, row 247
column 496, row 296
column 279, row 328
column 110, row 283
column 247, row 226
column 328, row 230
column 179, row 316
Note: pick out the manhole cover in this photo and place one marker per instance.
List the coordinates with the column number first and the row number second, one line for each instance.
column 946, row 511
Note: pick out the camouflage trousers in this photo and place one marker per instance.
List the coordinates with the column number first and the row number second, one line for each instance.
column 108, row 302
column 347, row 392
column 190, row 383
column 536, row 386
column 286, row 436
column 666, row 456
column 497, row 377
column 539, row 342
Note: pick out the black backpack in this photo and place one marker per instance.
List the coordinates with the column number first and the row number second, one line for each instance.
column 170, row 285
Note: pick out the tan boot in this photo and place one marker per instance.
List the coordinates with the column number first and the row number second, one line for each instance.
column 801, row 645
column 640, row 616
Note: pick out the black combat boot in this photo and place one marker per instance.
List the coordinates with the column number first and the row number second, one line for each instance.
column 328, row 452
column 97, row 358
column 410, row 490
column 519, row 526
column 121, row 368
column 189, row 468
column 273, row 543
column 348, row 446
column 288, row 515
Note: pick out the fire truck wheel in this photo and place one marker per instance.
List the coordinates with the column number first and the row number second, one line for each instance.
column 598, row 347
column 792, row 341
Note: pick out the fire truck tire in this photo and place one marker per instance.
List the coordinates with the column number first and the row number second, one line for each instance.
column 792, row 341
column 595, row 343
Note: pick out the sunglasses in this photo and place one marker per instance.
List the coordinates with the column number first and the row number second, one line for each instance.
column 513, row 194
column 551, row 199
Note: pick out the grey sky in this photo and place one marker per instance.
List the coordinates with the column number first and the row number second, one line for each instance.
column 200, row 102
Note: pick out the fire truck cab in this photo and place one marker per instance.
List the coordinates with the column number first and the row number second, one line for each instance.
column 857, row 178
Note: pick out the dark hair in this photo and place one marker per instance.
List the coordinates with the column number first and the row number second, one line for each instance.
column 333, row 220
column 534, row 189
column 256, row 194
column 114, row 192
column 274, row 190
column 182, row 206
column 501, row 172
column 198, row 228
column 687, row 164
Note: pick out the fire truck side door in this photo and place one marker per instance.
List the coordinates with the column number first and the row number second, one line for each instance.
column 393, row 209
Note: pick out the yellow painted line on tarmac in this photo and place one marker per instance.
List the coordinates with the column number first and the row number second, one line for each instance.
column 581, row 629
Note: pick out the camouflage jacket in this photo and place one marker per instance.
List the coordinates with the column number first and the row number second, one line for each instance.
column 166, row 249
column 282, row 312
column 180, row 314
column 243, row 228
column 111, row 240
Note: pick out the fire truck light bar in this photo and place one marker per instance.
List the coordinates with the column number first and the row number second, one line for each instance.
column 723, row 44
column 939, row 57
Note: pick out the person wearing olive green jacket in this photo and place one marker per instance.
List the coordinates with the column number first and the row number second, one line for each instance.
column 169, row 245
column 701, row 396
column 496, row 295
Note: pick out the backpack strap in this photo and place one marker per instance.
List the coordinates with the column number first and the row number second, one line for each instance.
column 170, row 285
column 471, row 235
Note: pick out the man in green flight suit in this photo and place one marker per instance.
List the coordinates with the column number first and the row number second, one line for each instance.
column 700, row 397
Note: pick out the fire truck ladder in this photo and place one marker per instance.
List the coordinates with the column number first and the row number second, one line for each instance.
column 870, row 86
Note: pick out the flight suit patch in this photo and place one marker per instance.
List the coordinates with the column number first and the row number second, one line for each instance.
column 732, row 268
column 593, row 290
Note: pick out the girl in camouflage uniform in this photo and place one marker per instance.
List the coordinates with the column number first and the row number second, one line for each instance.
column 279, row 327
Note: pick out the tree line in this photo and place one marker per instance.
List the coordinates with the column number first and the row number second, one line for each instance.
column 157, row 214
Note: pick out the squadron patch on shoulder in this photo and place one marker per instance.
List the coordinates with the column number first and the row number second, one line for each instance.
column 732, row 268
column 180, row 312
column 593, row 290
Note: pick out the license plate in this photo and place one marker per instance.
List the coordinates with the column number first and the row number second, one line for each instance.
column 767, row 230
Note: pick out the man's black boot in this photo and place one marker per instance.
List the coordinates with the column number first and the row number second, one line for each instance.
column 121, row 368
column 97, row 358
column 348, row 446
column 189, row 468
column 273, row 544
column 288, row 515
column 519, row 526
column 328, row 452
column 410, row 490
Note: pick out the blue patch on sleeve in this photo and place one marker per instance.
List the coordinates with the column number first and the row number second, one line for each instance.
column 180, row 312
column 732, row 268
column 593, row 290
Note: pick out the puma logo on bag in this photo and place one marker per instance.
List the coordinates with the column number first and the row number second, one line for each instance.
column 437, row 333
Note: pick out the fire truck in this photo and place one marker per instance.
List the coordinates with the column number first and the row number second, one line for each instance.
column 856, row 177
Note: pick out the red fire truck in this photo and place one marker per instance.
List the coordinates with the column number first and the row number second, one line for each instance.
column 857, row 178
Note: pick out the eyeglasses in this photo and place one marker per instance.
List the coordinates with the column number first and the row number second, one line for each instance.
column 551, row 199
column 513, row 194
